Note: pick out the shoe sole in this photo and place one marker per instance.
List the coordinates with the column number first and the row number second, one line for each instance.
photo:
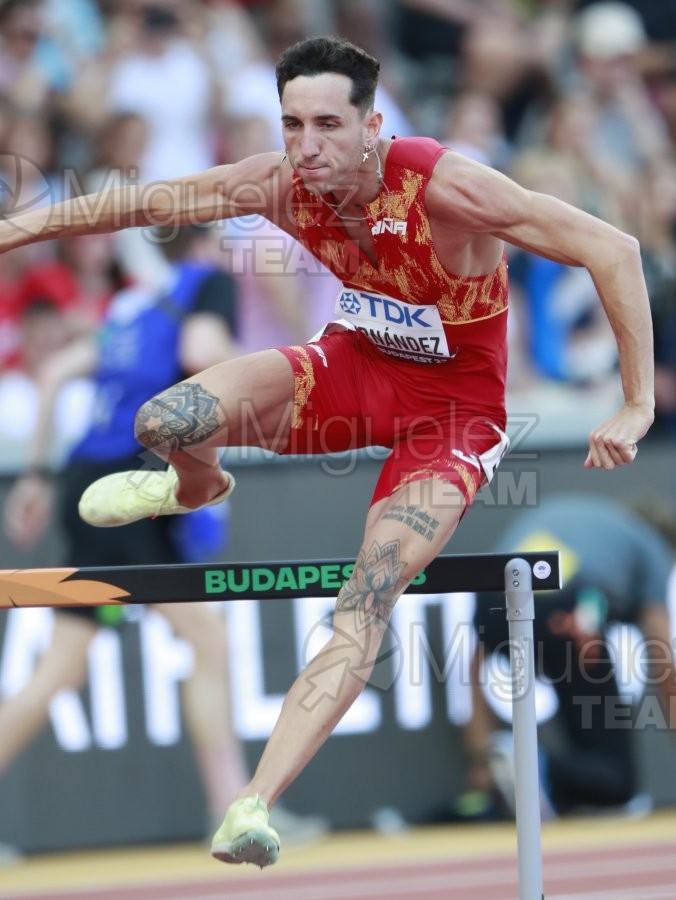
column 256, row 847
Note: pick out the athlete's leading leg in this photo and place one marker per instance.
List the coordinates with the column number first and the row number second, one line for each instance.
column 241, row 402
column 395, row 548
column 246, row 401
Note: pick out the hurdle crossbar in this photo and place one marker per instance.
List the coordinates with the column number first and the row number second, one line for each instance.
column 188, row 582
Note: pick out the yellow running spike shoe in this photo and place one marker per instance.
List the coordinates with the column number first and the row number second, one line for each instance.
column 245, row 835
column 125, row 497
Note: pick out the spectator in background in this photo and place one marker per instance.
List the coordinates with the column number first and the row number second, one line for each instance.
column 501, row 59
column 657, row 230
column 23, row 78
column 30, row 176
column 43, row 333
column 628, row 128
column 655, row 58
column 77, row 27
column 166, row 79
column 148, row 340
column 54, row 303
column 154, row 67
column 29, row 179
column 616, row 567
column 473, row 127
column 560, row 336
column 424, row 30
column 567, row 338
column 568, row 134
column 179, row 119
column 573, row 148
column 11, row 277
column 484, row 46
column 230, row 38
column 80, row 280
column 119, row 151
column 41, row 44
column 658, row 17
column 121, row 143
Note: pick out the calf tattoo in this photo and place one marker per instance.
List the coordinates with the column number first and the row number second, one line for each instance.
column 375, row 584
column 179, row 417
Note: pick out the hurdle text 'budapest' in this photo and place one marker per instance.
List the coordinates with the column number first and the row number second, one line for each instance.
column 98, row 586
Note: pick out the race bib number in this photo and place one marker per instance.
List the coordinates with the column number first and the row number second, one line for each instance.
column 404, row 330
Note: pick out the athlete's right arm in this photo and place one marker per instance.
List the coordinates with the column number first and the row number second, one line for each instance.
column 218, row 193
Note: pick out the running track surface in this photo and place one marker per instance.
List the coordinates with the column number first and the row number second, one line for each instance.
column 640, row 871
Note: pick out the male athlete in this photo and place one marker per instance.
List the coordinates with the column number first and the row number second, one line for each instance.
column 415, row 361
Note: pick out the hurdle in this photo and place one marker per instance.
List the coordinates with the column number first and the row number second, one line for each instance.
column 518, row 577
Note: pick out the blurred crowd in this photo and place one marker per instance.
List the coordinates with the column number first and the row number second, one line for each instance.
column 577, row 99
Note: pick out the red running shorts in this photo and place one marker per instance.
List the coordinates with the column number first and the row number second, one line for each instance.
column 349, row 395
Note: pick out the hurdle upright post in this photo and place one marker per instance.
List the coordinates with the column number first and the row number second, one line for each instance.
column 520, row 617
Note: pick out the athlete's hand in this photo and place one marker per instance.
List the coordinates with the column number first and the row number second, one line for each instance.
column 614, row 442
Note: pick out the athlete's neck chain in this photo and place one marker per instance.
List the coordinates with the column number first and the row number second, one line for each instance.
column 335, row 208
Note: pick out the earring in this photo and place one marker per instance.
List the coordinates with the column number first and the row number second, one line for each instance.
column 366, row 153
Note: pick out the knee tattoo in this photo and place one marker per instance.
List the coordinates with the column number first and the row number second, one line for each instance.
column 182, row 416
column 376, row 583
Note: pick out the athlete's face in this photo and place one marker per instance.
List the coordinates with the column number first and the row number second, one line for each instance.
column 325, row 134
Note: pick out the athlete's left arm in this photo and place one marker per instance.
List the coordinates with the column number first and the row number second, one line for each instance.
column 482, row 201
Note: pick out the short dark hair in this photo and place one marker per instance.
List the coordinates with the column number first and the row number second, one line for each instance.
column 316, row 56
